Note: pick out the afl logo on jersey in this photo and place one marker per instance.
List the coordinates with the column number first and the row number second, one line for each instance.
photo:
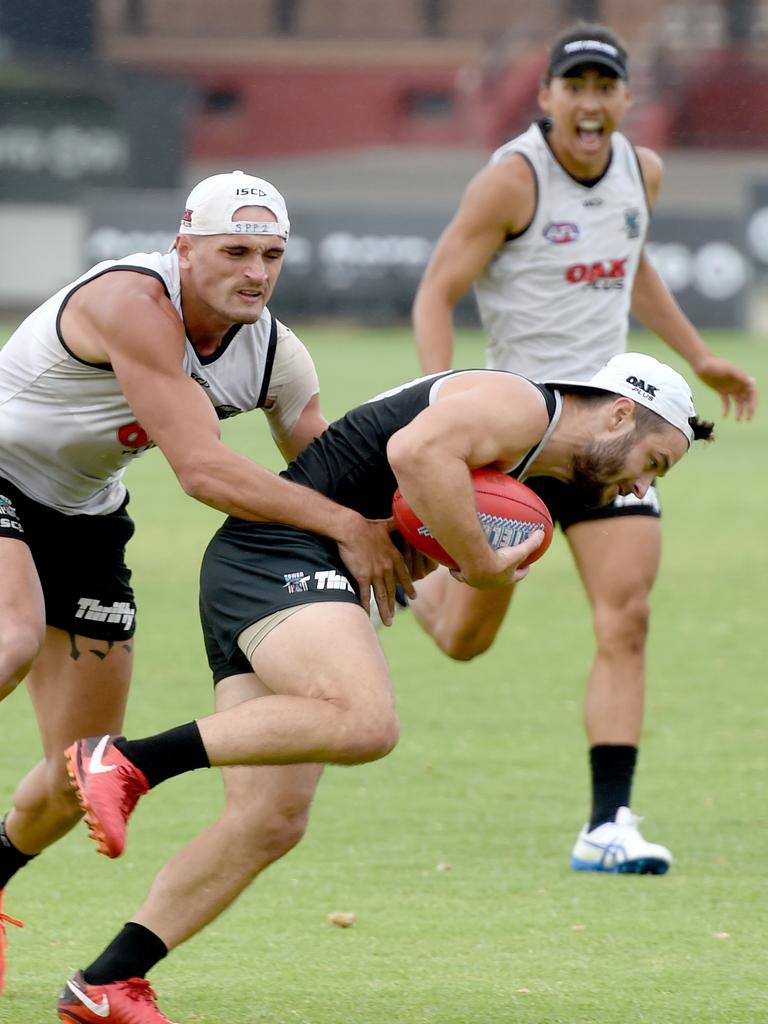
column 632, row 223
column 133, row 436
column 559, row 233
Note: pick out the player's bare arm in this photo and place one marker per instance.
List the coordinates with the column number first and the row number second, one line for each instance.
column 652, row 168
column 479, row 419
column 656, row 308
column 500, row 200
column 310, row 424
column 292, row 404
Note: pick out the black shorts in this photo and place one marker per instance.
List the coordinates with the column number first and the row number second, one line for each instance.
column 567, row 510
column 80, row 561
column 251, row 570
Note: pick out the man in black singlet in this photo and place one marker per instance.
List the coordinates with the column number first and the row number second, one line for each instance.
column 307, row 681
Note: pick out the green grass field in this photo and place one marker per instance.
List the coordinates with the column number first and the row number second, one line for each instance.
column 453, row 851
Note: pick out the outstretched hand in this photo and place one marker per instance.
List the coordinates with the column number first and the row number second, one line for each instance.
column 369, row 554
column 731, row 383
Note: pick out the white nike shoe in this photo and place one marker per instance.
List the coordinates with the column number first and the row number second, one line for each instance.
column 617, row 847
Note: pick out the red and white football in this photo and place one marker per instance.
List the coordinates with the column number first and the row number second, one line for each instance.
column 508, row 512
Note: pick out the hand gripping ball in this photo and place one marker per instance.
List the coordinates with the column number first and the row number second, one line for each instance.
column 508, row 512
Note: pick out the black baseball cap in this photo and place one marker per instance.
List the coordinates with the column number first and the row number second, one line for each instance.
column 588, row 47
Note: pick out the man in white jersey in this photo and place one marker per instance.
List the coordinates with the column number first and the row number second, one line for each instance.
column 151, row 350
column 551, row 234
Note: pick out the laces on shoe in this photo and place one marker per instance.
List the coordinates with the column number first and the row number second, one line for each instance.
column 7, row 919
column 138, row 989
column 141, row 991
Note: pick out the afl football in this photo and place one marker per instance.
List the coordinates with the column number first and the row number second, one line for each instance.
column 508, row 512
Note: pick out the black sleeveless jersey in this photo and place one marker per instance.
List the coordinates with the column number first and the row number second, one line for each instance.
column 252, row 569
column 348, row 463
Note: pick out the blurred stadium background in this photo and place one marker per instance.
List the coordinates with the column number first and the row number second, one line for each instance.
column 370, row 116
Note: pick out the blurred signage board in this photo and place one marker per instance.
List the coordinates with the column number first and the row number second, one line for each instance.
column 63, row 132
column 757, row 227
column 366, row 265
column 53, row 144
column 705, row 264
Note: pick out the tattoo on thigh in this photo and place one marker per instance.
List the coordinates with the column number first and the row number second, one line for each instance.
column 75, row 652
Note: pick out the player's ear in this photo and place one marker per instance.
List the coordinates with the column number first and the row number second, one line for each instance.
column 621, row 414
column 544, row 97
column 183, row 246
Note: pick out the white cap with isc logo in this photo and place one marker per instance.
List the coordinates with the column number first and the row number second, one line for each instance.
column 213, row 202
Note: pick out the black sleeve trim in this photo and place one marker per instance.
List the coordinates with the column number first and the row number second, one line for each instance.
column 648, row 207
column 269, row 363
column 519, row 234
column 108, row 270
column 548, row 394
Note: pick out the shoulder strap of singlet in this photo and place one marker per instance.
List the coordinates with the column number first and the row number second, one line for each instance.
column 554, row 403
column 78, row 285
column 268, row 364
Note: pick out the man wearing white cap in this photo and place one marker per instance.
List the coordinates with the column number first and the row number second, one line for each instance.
column 551, row 235
column 635, row 420
column 147, row 351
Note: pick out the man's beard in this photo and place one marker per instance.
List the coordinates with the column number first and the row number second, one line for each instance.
column 596, row 466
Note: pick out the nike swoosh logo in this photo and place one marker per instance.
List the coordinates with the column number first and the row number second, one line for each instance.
column 100, row 1009
column 96, row 767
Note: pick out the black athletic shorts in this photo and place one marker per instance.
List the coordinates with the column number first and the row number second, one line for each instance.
column 251, row 570
column 567, row 510
column 80, row 561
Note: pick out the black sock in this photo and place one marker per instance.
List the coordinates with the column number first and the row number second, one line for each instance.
column 130, row 954
column 11, row 859
column 613, row 767
column 167, row 754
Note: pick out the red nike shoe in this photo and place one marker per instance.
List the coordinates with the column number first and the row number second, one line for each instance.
column 108, row 787
column 4, row 919
column 121, row 1002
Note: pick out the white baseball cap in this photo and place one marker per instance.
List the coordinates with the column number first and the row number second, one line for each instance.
column 212, row 203
column 648, row 382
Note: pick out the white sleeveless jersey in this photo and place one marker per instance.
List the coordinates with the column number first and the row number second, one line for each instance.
column 67, row 432
column 555, row 299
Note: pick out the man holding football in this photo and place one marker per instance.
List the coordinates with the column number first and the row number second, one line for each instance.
column 551, row 234
column 269, row 590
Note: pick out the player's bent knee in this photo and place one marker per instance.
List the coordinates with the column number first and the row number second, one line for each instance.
column 459, row 649
column 19, row 646
column 267, row 838
column 281, row 832
column 370, row 741
column 262, row 831
column 624, row 628
column 464, row 645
